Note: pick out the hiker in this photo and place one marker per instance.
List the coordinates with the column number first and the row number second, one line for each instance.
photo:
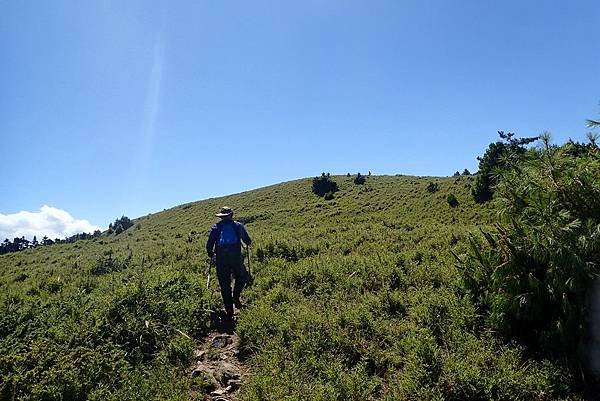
column 224, row 241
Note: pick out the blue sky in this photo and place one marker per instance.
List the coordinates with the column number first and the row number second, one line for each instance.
column 112, row 107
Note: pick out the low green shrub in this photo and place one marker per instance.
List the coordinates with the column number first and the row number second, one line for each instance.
column 359, row 179
column 432, row 187
column 323, row 184
column 107, row 264
column 180, row 350
column 452, row 201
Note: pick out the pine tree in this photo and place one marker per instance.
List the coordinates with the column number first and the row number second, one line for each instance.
column 493, row 159
column 532, row 275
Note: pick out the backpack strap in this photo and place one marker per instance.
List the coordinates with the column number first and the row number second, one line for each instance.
column 237, row 228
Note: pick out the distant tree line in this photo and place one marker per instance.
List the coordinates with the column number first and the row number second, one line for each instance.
column 21, row 243
column 465, row 172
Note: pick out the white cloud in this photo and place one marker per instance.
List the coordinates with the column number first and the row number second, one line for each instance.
column 49, row 221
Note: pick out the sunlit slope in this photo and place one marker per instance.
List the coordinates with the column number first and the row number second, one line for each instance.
column 106, row 315
column 288, row 212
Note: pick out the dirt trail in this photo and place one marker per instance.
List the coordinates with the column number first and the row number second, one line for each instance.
column 217, row 362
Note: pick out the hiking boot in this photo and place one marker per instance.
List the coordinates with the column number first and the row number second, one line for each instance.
column 228, row 317
column 229, row 314
column 238, row 304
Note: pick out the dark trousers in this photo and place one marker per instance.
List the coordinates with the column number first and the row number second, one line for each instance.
column 225, row 269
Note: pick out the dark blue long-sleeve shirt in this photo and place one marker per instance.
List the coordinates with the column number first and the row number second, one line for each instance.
column 215, row 232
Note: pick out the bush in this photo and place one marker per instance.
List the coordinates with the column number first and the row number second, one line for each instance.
column 180, row 350
column 432, row 187
column 452, row 201
column 323, row 184
column 532, row 276
column 283, row 250
column 329, row 196
column 107, row 264
column 359, row 179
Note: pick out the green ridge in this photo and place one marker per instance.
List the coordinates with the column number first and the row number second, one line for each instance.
column 355, row 298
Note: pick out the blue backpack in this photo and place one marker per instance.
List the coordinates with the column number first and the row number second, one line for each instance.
column 229, row 235
column 229, row 245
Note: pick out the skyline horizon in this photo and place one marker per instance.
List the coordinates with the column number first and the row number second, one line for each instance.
column 93, row 226
column 113, row 109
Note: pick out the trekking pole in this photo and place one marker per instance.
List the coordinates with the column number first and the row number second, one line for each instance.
column 208, row 269
column 250, row 279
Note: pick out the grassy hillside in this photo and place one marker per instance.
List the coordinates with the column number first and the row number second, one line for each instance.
column 354, row 298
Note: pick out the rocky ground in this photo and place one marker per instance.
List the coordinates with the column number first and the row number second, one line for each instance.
column 217, row 363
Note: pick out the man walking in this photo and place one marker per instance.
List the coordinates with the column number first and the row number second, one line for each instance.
column 225, row 240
